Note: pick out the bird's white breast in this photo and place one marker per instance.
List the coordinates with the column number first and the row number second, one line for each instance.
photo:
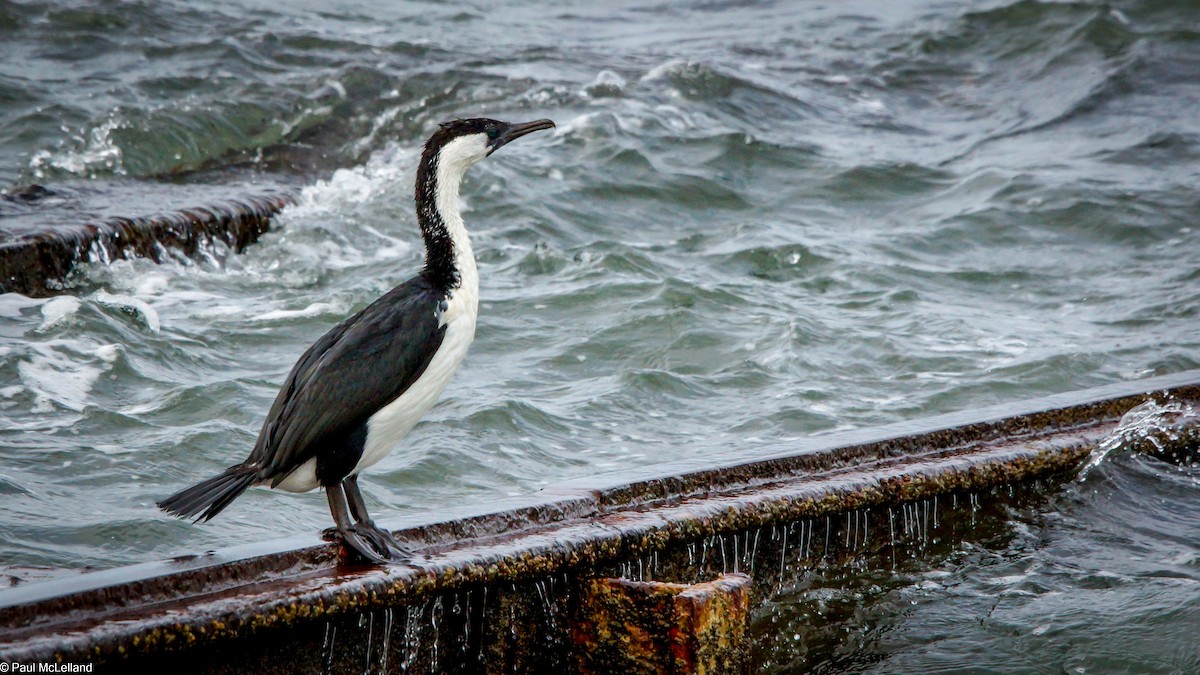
column 388, row 426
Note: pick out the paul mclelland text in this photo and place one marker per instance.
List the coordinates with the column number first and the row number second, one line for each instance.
column 46, row 667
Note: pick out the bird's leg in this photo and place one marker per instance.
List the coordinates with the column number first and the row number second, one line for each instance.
column 382, row 539
column 348, row 532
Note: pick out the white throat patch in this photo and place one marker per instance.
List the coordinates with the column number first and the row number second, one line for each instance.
column 392, row 423
column 453, row 161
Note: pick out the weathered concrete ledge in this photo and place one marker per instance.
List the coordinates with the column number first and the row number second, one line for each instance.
column 150, row 610
column 45, row 233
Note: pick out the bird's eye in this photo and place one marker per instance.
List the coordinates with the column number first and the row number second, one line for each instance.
column 493, row 133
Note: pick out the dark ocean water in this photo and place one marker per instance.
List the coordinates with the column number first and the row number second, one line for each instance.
column 754, row 223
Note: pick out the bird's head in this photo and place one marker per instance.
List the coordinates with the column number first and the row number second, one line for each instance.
column 461, row 143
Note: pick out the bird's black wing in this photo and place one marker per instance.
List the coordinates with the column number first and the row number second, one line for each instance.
column 359, row 366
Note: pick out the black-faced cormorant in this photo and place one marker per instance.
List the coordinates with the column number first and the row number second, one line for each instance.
column 363, row 385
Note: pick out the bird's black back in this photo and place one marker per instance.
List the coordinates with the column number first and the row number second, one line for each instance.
column 358, row 367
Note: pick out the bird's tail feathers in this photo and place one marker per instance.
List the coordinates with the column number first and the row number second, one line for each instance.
column 208, row 498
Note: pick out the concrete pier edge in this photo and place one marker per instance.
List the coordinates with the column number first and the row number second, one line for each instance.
column 576, row 525
column 37, row 260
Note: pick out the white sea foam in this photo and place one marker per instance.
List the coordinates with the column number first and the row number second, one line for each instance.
column 606, row 83
column 13, row 304
column 315, row 309
column 394, row 248
column 58, row 310
column 113, row 449
column 130, row 305
column 669, row 68
column 63, row 372
column 352, row 186
column 1148, row 422
column 94, row 149
column 630, row 120
column 381, row 122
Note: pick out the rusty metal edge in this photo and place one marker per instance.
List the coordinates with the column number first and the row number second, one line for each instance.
column 160, row 606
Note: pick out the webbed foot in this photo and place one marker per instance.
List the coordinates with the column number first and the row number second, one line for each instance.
column 361, row 543
column 365, row 545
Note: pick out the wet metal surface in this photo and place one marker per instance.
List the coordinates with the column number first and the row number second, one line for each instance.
column 569, row 532
column 45, row 232
column 625, row 626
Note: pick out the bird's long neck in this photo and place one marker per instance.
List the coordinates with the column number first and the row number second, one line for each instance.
column 449, row 260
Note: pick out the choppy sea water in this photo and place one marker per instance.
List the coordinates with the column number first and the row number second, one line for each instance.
column 754, row 223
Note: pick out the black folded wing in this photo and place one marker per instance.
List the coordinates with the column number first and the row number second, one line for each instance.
column 358, row 367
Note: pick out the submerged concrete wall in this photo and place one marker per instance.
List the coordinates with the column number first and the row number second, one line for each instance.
column 46, row 232
column 493, row 591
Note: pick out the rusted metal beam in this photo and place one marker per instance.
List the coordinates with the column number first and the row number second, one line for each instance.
column 636, row 627
column 299, row 586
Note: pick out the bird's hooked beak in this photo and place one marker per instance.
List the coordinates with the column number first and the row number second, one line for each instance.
column 515, row 131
